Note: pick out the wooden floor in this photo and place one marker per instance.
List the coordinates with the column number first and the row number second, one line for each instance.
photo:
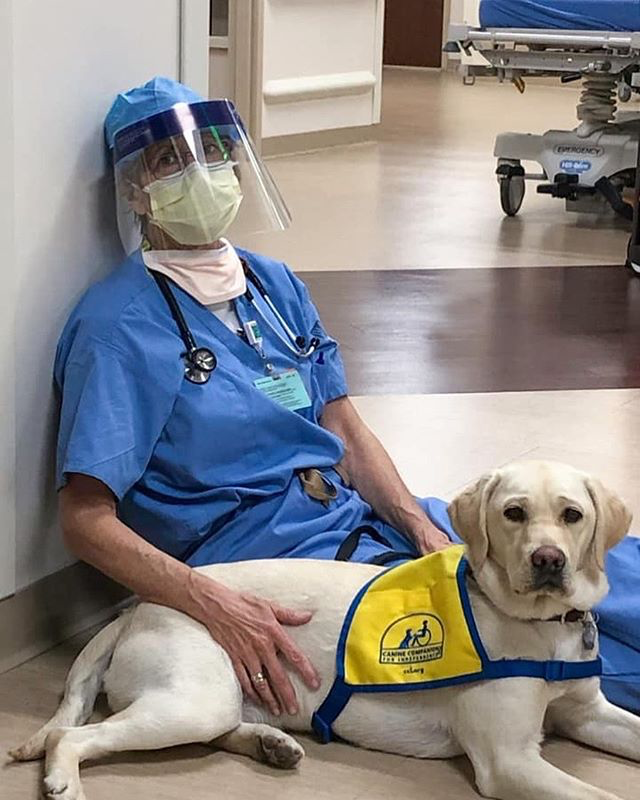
column 483, row 330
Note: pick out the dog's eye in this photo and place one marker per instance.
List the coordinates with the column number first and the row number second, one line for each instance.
column 515, row 514
column 571, row 516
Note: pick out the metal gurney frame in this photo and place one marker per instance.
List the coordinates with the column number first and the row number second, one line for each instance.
column 592, row 165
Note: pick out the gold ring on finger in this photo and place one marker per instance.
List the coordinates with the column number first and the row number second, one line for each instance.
column 258, row 679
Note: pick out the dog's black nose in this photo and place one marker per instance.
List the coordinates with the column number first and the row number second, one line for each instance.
column 548, row 560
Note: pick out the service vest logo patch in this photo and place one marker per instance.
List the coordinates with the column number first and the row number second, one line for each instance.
column 413, row 639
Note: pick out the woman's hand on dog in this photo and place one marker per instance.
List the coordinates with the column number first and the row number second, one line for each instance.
column 429, row 539
column 252, row 632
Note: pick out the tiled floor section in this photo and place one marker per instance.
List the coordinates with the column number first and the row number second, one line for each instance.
column 439, row 443
column 442, row 442
column 424, row 193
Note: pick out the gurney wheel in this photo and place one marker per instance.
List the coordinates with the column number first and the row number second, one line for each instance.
column 632, row 262
column 511, row 194
column 624, row 92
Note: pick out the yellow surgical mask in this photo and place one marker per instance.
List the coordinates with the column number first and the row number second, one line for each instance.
column 197, row 206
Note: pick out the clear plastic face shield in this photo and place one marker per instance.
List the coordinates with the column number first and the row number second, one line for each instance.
column 187, row 176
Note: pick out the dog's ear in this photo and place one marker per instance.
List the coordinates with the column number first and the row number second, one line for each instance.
column 468, row 514
column 613, row 519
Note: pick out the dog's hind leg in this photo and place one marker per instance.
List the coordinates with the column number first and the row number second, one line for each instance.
column 262, row 743
column 82, row 686
column 157, row 719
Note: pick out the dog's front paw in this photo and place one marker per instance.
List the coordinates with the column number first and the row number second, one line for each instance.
column 57, row 785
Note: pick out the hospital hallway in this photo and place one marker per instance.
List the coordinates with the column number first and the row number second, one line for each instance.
column 423, row 193
column 469, row 340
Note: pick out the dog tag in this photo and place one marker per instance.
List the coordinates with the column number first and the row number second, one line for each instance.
column 589, row 633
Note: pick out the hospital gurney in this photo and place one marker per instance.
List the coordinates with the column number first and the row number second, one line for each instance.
column 592, row 165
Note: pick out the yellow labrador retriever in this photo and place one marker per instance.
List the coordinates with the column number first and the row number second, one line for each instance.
column 536, row 536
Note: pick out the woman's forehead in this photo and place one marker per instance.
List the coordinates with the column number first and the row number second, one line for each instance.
column 186, row 140
column 179, row 142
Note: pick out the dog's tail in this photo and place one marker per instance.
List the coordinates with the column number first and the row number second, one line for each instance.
column 84, row 683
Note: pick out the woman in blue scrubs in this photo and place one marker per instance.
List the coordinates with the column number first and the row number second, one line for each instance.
column 204, row 413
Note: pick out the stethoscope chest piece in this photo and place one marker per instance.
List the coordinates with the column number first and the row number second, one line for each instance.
column 199, row 364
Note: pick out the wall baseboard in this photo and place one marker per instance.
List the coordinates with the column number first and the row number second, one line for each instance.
column 317, row 140
column 402, row 67
column 54, row 609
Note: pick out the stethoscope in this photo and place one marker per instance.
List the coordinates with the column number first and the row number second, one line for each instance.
column 200, row 362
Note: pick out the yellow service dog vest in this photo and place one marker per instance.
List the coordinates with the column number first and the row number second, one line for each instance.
column 412, row 627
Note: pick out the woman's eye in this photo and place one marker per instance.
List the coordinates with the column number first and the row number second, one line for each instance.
column 571, row 516
column 515, row 514
column 164, row 163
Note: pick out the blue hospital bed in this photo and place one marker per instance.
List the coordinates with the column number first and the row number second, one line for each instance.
column 595, row 42
column 572, row 15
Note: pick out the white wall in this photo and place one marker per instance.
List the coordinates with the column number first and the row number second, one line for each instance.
column 70, row 59
column 465, row 11
column 221, row 78
column 321, row 65
column 456, row 10
column 194, row 23
column 7, row 334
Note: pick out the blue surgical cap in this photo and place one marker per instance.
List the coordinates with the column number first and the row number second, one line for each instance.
column 157, row 95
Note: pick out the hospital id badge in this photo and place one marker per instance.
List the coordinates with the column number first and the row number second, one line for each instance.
column 285, row 388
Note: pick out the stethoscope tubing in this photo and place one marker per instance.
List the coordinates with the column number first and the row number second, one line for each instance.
column 200, row 362
column 292, row 344
column 176, row 312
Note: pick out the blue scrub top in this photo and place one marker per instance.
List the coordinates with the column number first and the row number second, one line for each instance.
column 207, row 473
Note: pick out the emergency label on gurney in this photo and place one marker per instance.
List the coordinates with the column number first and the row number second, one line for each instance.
column 286, row 388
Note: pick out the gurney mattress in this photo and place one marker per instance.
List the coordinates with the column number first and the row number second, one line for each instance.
column 591, row 15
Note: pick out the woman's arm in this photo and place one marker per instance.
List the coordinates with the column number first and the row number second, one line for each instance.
column 249, row 628
column 374, row 476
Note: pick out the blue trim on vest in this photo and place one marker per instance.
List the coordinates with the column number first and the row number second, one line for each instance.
column 463, row 589
column 333, row 705
column 346, row 625
column 340, row 692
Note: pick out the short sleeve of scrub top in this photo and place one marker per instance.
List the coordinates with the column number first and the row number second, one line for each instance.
column 112, row 414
